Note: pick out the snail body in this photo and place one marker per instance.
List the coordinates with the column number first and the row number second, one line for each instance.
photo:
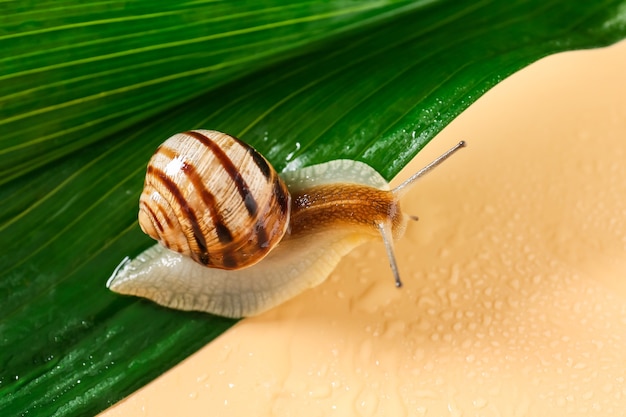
column 235, row 238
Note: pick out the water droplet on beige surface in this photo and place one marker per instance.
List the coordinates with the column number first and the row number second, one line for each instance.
column 366, row 403
column 479, row 403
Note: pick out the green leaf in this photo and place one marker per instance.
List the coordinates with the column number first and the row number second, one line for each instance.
column 89, row 90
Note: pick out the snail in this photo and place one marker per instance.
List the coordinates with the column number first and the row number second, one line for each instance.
column 236, row 238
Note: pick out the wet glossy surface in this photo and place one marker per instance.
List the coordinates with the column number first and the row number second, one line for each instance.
column 514, row 298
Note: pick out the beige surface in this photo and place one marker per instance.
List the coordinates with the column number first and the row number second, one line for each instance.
column 515, row 280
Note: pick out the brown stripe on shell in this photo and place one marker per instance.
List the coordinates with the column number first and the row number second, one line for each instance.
column 166, row 212
column 221, row 229
column 265, row 227
column 223, row 234
column 153, row 218
column 203, row 256
column 230, row 168
column 174, row 245
column 262, row 239
column 260, row 162
column 281, row 195
column 166, row 216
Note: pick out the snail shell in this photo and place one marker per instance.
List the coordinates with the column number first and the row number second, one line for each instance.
column 234, row 242
column 213, row 198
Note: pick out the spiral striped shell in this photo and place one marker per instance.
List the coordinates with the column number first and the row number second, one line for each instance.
column 211, row 197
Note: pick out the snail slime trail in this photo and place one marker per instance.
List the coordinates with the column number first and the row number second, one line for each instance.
column 235, row 238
